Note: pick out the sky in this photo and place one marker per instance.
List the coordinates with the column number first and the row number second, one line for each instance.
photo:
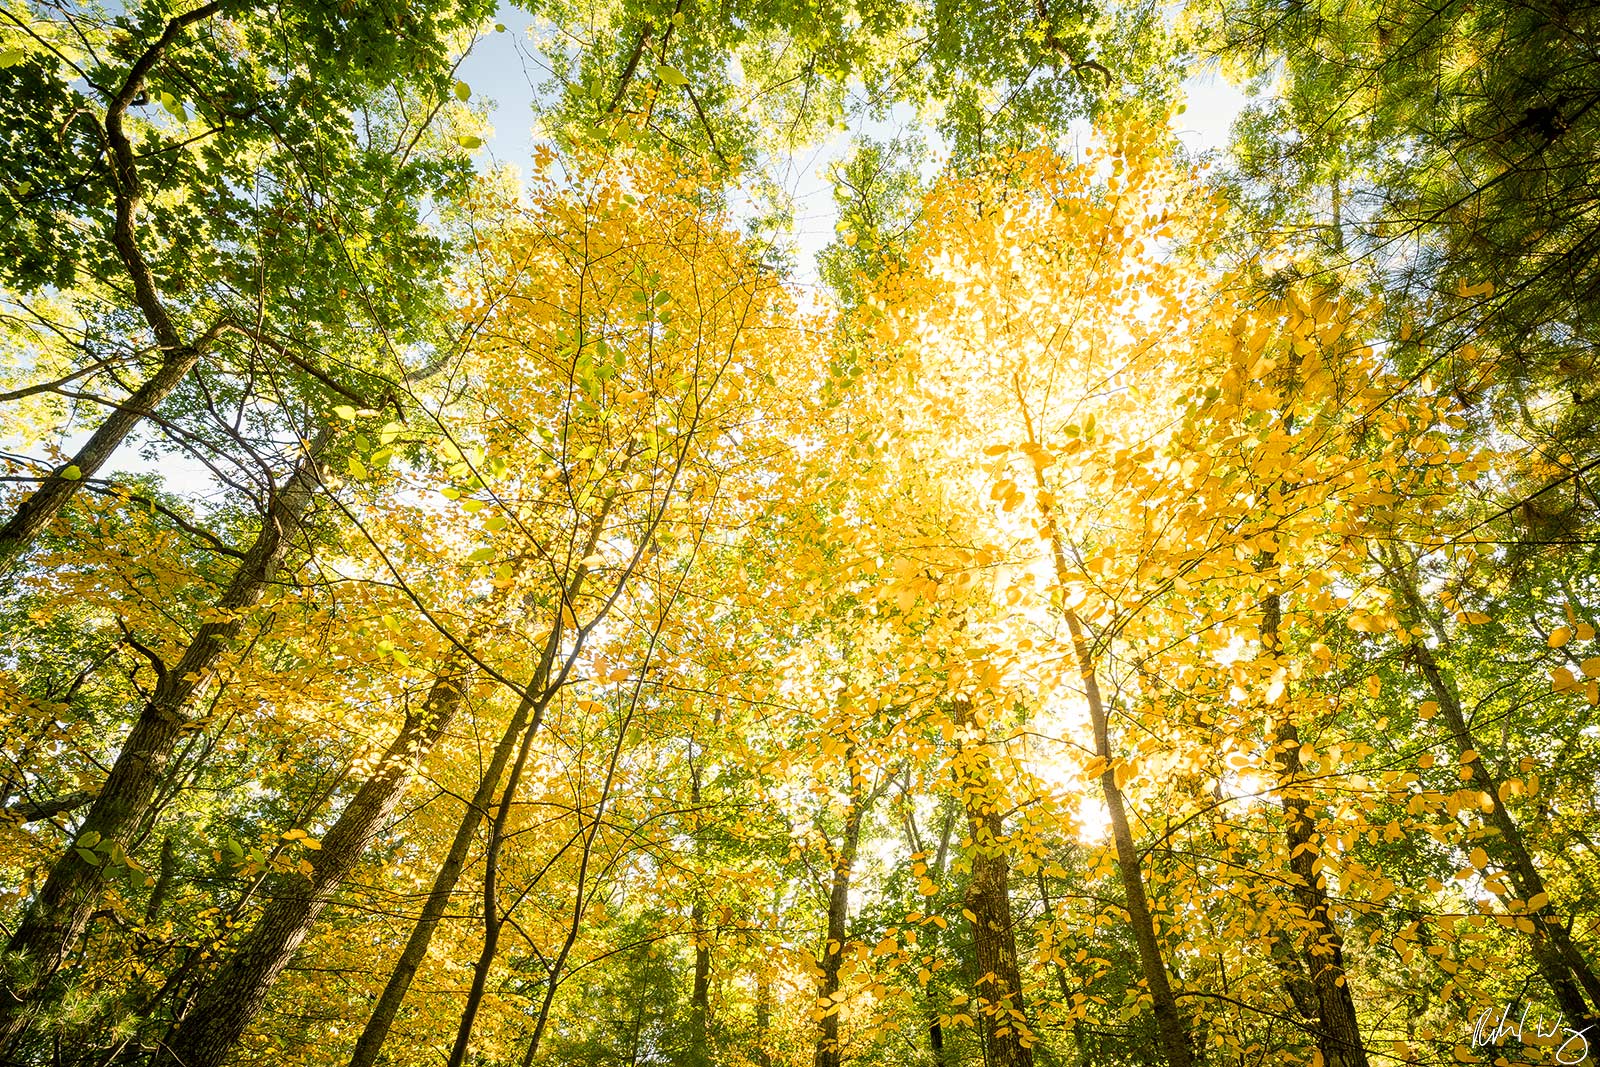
column 503, row 71
column 504, row 68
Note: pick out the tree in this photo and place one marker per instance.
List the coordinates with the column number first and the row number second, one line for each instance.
column 275, row 170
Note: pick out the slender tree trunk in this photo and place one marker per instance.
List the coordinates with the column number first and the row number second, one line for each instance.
column 1338, row 1032
column 999, row 986
column 36, row 511
column 832, row 962
column 229, row 1003
column 930, row 1008
column 1559, row 961
column 493, row 921
column 1171, row 1026
column 700, row 993
column 57, row 916
column 763, row 1055
column 524, row 723
column 444, row 884
column 42, row 505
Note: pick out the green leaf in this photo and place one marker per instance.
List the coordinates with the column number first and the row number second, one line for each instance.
column 90, row 839
column 11, row 57
column 463, row 91
column 467, row 140
column 91, row 858
column 481, row 555
column 670, row 76
column 71, row 472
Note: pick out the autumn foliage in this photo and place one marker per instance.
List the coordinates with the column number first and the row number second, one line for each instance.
column 1083, row 642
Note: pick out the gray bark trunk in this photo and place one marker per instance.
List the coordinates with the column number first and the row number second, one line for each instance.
column 1559, row 961
column 1338, row 1032
column 231, row 1000
column 999, row 986
column 828, row 1052
column 404, row 972
column 1171, row 1026
column 57, row 916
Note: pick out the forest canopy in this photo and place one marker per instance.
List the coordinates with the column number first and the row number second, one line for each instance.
column 1118, row 605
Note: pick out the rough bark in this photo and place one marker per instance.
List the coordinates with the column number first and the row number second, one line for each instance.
column 179, row 356
column 231, row 1000
column 828, row 1051
column 57, row 916
column 762, row 1055
column 700, row 992
column 387, row 1009
column 999, row 987
column 1338, row 1032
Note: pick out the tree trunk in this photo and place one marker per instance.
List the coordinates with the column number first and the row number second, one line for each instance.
column 230, row 1001
column 1170, row 1024
column 762, row 1055
column 828, row 1051
column 180, row 357
column 536, row 697
column 444, row 884
column 36, row 511
column 700, row 993
column 1338, row 1032
column 493, row 921
column 930, row 1007
column 57, row 916
column 999, row 985
column 1560, row 963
